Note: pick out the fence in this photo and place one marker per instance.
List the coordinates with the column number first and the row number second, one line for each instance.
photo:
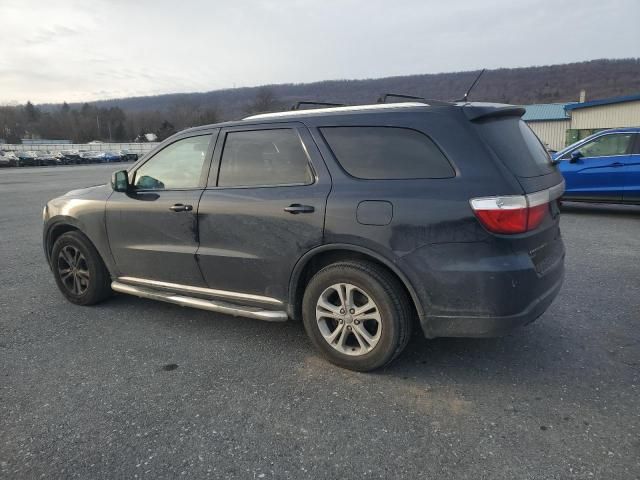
column 139, row 148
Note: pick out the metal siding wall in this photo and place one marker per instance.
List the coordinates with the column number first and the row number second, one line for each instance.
column 551, row 133
column 607, row 116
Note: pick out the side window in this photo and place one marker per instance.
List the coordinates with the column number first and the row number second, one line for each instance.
column 264, row 158
column 387, row 153
column 613, row 144
column 177, row 166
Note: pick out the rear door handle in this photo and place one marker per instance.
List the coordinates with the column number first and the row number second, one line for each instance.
column 179, row 207
column 296, row 208
column 617, row 164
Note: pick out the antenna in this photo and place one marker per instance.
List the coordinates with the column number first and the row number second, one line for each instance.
column 466, row 95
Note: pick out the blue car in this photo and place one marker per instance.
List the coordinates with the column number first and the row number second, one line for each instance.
column 604, row 167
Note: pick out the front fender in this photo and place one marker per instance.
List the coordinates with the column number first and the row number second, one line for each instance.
column 83, row 213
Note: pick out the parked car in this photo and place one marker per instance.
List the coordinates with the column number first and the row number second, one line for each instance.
column 27, row 159
column 604, row 167
column 67, row 157
column 357, row 220
column 112, row 157
column 128, row 156
column 8, row 159
column 93, row 157
column 46, row 158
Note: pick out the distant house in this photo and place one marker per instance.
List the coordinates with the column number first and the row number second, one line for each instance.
column 561, row 124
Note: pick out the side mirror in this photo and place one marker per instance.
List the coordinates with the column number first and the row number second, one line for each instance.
column 120, row 181
column 575, row 156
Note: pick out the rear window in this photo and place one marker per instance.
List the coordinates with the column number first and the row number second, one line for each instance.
column 386, row 153
column 264, row 158
column 517, row 146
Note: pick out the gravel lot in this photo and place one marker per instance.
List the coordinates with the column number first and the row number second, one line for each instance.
column 133, row 388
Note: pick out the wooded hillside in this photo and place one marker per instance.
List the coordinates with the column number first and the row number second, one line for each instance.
column 127, row 118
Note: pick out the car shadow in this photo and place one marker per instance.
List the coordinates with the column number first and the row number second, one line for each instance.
column 608, row 209
column 528, row 352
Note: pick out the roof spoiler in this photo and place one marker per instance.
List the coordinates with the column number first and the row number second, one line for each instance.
column 492, row 110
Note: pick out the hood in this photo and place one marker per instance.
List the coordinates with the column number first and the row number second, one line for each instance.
column 96, row 192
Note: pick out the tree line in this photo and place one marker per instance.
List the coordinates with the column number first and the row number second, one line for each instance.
column 89, row 122
column 128, row 119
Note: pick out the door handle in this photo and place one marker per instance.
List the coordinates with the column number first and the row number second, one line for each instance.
column 179, row 207
column 617, row 164
column 296, row 208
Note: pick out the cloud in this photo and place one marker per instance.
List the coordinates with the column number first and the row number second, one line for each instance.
column 48, row 34
column 77, row 50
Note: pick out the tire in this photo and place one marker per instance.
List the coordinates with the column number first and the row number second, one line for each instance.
column 92, row 282
column 370, row 285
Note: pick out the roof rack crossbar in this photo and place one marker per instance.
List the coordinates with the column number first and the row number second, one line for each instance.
column 384, row 96
column 297, row 105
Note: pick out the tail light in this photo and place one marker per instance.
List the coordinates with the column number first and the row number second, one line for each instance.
column 515, row 213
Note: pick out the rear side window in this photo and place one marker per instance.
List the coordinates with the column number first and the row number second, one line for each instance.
column 517, row 146
column 387, row 153
column 264, row 158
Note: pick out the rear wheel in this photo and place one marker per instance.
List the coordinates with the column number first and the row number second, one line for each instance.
column 78, row 269
column 357, row 314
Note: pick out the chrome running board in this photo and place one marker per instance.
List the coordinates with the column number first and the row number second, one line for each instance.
column 210, row 305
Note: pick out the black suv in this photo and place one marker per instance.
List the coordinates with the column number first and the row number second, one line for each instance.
column 358, row 220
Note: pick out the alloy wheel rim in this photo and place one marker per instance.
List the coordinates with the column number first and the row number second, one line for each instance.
column 73, row 270
column 348, row 318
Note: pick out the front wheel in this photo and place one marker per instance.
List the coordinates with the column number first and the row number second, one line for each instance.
column 357, row 314
column 78, row 269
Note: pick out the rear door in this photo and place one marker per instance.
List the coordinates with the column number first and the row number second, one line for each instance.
column 631, row 192
column 153, row 229
column 598, row 174
column 262, row 210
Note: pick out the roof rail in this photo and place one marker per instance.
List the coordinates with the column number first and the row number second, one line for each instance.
column 297, row 105
column 350, row 108
column 384, row 96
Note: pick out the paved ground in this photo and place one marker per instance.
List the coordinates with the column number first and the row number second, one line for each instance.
column 89, row 393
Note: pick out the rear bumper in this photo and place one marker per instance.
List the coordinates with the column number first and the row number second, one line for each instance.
column 482, row 289
column 490, row 326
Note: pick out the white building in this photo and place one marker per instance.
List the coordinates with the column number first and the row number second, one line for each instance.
column 561, row 124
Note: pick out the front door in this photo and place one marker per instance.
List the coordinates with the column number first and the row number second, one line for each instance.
column 153, row 229
column 263, row 209
column 598, row 173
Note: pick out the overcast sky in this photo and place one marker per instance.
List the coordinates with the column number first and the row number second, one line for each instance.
column 57, row 50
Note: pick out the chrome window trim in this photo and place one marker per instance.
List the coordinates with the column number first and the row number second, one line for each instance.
column 584, row 142
column 199, row 290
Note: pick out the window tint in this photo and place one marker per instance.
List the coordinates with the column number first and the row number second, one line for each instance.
column 516, row 146
column 262, row 158
column 386, row 153
column 614, row 144
column 177, row 166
